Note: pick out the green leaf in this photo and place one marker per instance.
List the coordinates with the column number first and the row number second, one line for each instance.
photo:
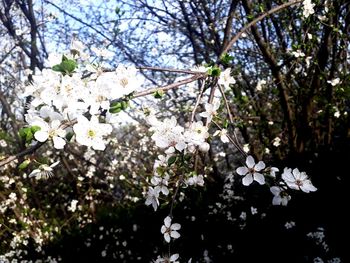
column 214, row 71
column 158, row 94
column 69, row 136
column 67, row 66
column 226, row 123
column 118, row 106
column 226, row 59
column 35, row 128
column 172, row 160
column 24, row 164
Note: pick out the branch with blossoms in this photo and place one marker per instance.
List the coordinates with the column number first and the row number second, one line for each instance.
column 78, row 100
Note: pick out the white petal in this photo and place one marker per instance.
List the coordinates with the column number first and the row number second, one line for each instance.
column 284, row 200
column 242, row 170
column 41, row 136
column 58, row 142
column 55, row 124
column 34, row 173
column 259, row 178
column 54, row 164
column 175, row 226
column 247, row 180
column 167, row 221
column 276, row 200
column 174, row 257
column 275, row 190
column 163, row 229
column 167, row 237
column 296, row 173
column 260, row 165
column 250, row 161
column 174, row 234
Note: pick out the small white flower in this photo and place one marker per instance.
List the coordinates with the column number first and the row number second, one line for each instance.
column 297, row 180
column 161, row 184
column 73, row 205
column 226, row 79
column 289, row 225
column 298, row 53
column 172, row 259
column 276, row 142
column 260, row 84
column 13, row 196
column 169, row 230
column 90, row 133
column 43, row 171
column 152, row 198
column 308, row 61
column 334, row 82
column 195, row 180
column 251, row 171
column 308, row 8
column 210, row 110
column 281, row 197
column 253, row 210
column 246, row 147
column 223, row 135
column 51, row 130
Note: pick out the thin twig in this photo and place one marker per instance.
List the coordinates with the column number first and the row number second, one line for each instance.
column 170, row 86
column 256, row 20
column 197, row 101
column 170, row 70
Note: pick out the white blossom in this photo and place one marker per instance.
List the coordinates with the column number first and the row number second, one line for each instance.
column 210, row 110
column 226, row 79
column 223, row 135
column 281, row 197
column 161, row 184
column 73, row 205
column 152, row 198
column 169, row 230
column 308, row 8
column 195, row 180
column 297, row 180
column 43, row 171
column 251, row 171
column 90, row 133
column 334, row 82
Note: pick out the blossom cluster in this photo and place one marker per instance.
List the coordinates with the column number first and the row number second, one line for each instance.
column 292, row 179
column 80, row 95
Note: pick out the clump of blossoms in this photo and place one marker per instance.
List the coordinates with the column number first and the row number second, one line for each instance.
column 75, row 93
column 290, row 179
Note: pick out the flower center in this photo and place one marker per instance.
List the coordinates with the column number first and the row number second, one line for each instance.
column 124, row 82
column 299, row 183
column 91, row 133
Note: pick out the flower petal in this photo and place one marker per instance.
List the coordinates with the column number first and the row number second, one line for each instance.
column 275, row 190
column 175, row 226
column 242, row 170
column 250, row 161
column 259, row 178
column 41, row 136
column 174, row 234
column 259, row 166
column 167, row 221
column 167, row 237
column 58, row 142
column 247, row 180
